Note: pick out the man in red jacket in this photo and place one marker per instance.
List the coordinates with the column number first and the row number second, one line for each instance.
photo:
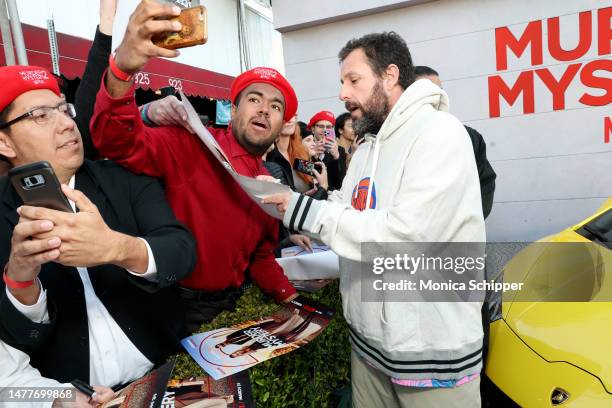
column 233, row 234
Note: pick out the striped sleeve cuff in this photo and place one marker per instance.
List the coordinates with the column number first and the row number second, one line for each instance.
column 303, row 214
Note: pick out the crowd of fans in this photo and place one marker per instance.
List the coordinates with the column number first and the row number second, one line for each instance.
column 162, row 239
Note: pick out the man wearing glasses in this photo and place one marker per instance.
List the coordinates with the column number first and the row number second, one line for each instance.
column 322, row 126
column 85, row 295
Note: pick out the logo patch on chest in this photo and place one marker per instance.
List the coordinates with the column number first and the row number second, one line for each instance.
column 360, row 195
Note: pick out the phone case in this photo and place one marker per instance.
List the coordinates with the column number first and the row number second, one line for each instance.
column 194, row 31
column 38, row 186
column 304, row 166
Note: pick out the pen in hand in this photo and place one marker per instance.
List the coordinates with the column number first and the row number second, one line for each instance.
column 84, row 388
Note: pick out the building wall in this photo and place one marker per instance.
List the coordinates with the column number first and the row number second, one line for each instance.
column 554, row 166
column 290, row 15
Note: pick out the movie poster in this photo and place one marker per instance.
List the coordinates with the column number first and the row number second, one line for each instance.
column 147, row 391
column 156, row 390
column 204, row 392
column 227, row 351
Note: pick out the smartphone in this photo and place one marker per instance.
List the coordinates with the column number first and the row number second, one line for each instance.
column 38, row 186
column 305, row 166
column 194, row 30
column 330, row 136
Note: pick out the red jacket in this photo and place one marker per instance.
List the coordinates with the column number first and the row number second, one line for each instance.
column 233, row 234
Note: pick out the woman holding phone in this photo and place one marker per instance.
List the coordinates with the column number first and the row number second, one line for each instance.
column 289, row 147
column 280, row 163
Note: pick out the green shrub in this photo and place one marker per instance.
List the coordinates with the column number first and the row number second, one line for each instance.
column 306, row 377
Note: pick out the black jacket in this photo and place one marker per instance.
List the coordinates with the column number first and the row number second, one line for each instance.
column 85, row 97
column 149, row 314
column 486, row 174
column 336, row 169
column 277, row 171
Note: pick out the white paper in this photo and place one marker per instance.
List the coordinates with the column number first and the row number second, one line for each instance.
column 256, row 189
column 321, row 265
column 299, row 251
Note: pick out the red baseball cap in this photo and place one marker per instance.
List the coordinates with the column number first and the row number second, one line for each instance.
column 19, row 79
column 323, row 115
column 268, row 76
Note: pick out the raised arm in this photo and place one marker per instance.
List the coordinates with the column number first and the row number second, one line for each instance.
column 97, row 62
column 116, row 128
column 136, row 49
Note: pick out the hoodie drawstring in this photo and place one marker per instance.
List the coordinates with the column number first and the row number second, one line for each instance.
column 363, row 172
column 383, row 315
column 373, row 171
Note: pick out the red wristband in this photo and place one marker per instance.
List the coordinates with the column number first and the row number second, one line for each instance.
column 123, row 76
column 13, row 284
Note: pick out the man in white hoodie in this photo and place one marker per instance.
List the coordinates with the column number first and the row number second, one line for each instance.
column 414, row 180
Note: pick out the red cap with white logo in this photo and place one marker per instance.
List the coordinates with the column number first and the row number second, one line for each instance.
column 268, row 76
column 19, row 79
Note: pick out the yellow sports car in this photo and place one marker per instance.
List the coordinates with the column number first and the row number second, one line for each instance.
column 551, row 343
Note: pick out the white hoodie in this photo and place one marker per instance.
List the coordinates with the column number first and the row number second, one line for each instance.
column 425, row 189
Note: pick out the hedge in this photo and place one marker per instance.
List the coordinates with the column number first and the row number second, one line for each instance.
column 309, row 377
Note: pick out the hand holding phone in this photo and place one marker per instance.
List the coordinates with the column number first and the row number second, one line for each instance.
column 329, row 138
column 320, row 174
column 331, row 146
column 33, row 242
column 86, row 239
column 306, row 167
column 148, row 19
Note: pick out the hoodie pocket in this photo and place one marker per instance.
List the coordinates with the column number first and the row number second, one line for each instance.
column 399, row 323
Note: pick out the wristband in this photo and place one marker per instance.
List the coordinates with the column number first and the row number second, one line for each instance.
column 13, row 284
column 144, row 114
column 123, row 76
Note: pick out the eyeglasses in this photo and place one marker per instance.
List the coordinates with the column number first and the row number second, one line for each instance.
column 321, row 127
column 44, row 115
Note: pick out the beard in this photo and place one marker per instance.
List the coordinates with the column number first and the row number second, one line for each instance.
column 374, row 112
column 256, row 146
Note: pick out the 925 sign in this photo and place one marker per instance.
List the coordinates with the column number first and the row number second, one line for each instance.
column 143, row 79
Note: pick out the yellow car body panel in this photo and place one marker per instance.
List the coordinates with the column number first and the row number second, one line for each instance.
column 531, row 379
column 574, row 332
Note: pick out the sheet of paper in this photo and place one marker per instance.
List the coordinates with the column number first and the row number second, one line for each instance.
column 299, row 251
column 320, row 265
column 256, row 189
column 311, row 286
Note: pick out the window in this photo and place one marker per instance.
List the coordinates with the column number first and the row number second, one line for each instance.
column 262, row 43
column 599, row 230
